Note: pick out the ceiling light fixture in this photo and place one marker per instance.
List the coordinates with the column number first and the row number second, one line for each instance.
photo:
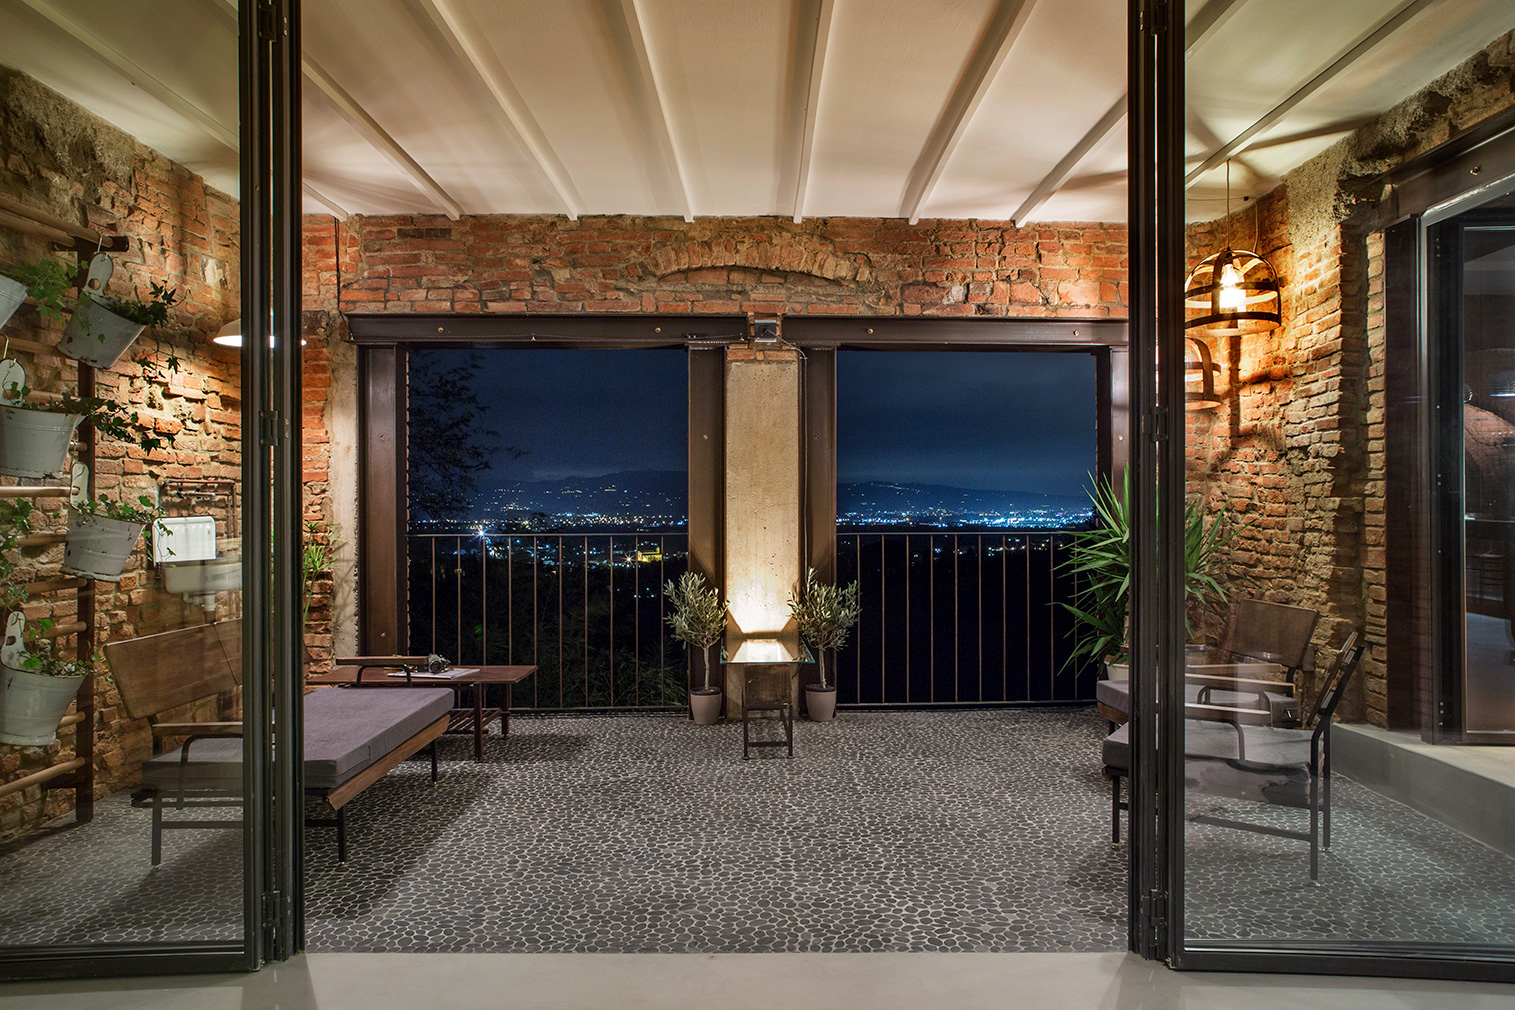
column 1233, row 291
column 1199, row 376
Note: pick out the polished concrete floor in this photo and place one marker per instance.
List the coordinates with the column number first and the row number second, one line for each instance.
column 1108, row 981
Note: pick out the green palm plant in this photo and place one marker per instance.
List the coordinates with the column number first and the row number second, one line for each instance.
column 1101, row 562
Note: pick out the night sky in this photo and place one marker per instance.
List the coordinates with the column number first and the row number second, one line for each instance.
column 1006, row 421
column 999, row 421
column 585, row 413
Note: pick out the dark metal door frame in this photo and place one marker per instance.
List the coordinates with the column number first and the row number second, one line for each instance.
column 269, row 70
column 1156, row 118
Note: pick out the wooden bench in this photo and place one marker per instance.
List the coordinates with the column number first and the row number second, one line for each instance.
column 351, row 738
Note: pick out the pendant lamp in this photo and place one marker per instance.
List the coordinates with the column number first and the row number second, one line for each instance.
column 1231, row 292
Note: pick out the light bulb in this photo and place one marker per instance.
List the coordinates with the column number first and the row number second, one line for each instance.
column 1231, row 297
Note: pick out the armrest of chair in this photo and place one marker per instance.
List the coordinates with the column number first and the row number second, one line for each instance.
column 1227, row 713
column 197, row 728
column 1226, row 683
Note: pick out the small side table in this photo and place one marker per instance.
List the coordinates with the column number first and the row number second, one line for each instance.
column 769, row 668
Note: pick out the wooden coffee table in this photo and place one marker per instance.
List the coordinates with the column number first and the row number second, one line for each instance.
column 373, row 671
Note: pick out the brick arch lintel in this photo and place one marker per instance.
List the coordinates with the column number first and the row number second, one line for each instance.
column 790, row 256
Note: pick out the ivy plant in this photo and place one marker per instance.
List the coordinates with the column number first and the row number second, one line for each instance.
column 107, row 417
column 46, row 282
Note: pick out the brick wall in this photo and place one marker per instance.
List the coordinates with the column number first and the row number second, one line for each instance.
column 763, row 265
column 57, row 158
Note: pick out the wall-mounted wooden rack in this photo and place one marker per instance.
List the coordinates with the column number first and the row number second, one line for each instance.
column 77, row 772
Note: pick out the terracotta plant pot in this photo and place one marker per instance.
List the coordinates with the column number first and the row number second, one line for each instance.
column 705, row 706
column 97, row 336
column 31, row 706
column 12, row 294
column 98, row 547
column 820, row 703
column 34, row 443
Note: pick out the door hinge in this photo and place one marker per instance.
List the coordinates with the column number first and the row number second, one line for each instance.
column 1154, row 910
column 272, row 25
column 272, row 427
column 271, row 908
column 1157, row 424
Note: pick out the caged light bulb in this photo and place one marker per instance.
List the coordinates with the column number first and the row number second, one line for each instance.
column 1231, row 297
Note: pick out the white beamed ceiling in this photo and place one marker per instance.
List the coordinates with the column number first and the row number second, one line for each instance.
column 700, row 106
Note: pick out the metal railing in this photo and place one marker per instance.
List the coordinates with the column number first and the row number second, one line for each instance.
column 586, row 609
column 960, row 618
column 947, row 619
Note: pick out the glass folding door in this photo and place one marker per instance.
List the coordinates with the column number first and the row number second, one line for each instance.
column 1298, row 819
column 137, row 708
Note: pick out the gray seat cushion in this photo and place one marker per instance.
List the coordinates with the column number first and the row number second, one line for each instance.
column 1266, row 747
column 213, row 766
column 1116, row 750
column 1114, row 693
column 346, row 730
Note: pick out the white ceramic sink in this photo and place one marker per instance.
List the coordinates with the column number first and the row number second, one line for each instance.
column 199, row 578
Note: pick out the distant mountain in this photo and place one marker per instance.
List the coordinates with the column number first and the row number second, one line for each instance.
column 909, row 504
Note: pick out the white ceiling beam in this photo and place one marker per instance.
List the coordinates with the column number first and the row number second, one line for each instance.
column 358, row 118
column 625, row 24
column 462, row 37
column 337, row 210
column 1063, row 170
column 1362, row 46
column 811, row 47
column 164, row 93
column 1205, row 23
column 999, row 37
column 138, row 75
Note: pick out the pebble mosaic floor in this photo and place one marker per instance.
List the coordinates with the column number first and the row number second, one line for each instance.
column 899, row 831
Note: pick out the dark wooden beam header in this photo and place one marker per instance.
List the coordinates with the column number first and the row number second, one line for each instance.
column 628, row 330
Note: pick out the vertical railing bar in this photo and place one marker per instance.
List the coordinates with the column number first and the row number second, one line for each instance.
column 433, row 542
column 1051, row 625
column 980, row 617
column 457, row 572
column 1028, row 617
column 907, row 618
column 560, row 620
column 536, row 627
column 883, row 605
column 957, row 645
column 484, row 601
column 662, row 627
column 931, row 607
column 510, row 602
column 1004, row 619
column 857, row 658
column 586, row 620
column 636, row 621
column 611, row 560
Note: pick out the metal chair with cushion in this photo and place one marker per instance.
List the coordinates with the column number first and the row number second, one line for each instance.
column 1238, row 753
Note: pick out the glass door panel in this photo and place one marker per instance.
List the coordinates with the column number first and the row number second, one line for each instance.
column 1309, row 826
column 1473, row 256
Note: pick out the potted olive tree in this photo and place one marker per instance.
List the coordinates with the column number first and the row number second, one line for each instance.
column 824, row 614
column 699, row 619
column 1101, row 563
column 101, row 328
column 103, row 532
column 36, row 686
